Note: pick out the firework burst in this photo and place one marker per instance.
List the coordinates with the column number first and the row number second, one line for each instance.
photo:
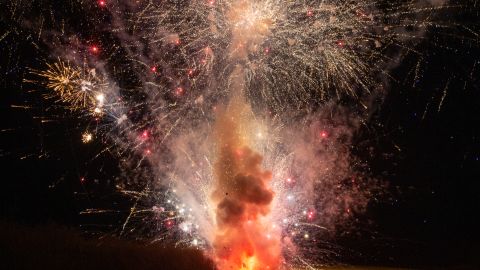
column 80, row 89
column 164, row 86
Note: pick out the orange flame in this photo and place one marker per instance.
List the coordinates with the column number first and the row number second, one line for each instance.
column 242, row 196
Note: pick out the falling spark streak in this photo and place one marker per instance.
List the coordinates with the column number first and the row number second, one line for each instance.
column 312, row 225
column 444, row 95
column 132, row 211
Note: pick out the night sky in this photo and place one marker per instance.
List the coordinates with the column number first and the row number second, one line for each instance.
column 423, row 140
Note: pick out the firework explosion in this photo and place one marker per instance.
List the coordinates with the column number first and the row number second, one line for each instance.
column 79, row 89
column 197, row 97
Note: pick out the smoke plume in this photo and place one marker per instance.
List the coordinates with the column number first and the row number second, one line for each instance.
column 242, row 196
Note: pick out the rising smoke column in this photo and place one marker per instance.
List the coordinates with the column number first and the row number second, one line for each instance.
column 244, row 239
column 242, row 197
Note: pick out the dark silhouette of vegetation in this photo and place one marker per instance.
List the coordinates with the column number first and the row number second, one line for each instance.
column 53, row 247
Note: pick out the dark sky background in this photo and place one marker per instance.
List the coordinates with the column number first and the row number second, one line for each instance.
column 430, row 156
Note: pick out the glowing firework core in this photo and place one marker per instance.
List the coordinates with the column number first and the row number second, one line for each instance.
column 250, row 22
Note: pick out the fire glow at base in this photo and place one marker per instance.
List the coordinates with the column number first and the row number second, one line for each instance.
column 242, row 193
column 225, row 115
column 243, row 197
